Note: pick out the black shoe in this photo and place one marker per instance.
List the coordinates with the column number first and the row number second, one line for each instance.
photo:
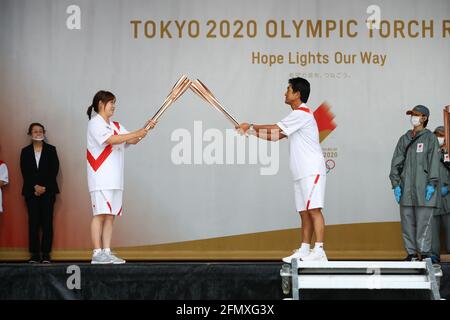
column 412, row 257
column 435, row 259
column 34, row 259
column 46, row 258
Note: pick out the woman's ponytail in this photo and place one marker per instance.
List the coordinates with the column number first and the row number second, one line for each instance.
column 89, row 111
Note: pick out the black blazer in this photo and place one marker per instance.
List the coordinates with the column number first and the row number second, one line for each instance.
column 44, row 176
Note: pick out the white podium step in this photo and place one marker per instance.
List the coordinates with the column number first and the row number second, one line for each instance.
column 370, row 275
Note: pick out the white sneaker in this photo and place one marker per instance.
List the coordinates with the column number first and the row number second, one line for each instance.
column 101, row 258
column 315, row 256
column 113, row 258
column 298, row 254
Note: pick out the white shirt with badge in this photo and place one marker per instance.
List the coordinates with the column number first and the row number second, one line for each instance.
column 305, row 154
column 4, row 178
column 105, row 163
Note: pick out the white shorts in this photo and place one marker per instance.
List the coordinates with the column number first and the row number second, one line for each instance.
column 310, row 192
column 107, row 202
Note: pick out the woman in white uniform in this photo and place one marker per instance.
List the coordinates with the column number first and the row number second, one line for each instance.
column 106, row 142
column 3, row 181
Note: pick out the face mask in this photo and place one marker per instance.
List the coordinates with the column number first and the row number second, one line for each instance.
column 441, row 141
column 38, row 139
column 415, row 121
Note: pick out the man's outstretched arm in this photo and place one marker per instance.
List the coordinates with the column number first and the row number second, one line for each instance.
column 270, row 132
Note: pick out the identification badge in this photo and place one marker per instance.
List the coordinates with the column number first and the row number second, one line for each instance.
column 419, row 147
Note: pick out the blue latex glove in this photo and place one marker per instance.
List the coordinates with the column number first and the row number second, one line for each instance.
column 397, row 193
column 444, row 191
column 429, row 192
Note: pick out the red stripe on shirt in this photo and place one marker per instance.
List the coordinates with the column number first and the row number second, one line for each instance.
column 96, row 163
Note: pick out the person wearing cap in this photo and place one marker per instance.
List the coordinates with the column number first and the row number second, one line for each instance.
column 415, row 179
column 441, row 215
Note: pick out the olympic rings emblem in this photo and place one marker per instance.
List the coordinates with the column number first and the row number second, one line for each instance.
column 330, row 164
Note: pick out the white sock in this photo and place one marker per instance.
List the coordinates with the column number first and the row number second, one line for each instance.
column 305, row 247
column 107, row 250
column 318, row 247
column 97, row 251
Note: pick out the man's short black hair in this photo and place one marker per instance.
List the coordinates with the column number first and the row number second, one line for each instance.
column 300, row 85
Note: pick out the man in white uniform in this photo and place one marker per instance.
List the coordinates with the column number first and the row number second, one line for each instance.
column 307, row 165
column 3, row 181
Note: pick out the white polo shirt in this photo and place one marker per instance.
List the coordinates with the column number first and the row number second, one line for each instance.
column 105, row 163
column 4, row 178
column 305, row 154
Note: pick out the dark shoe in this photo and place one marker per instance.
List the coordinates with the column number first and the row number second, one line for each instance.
column 424, row 256
column 46, row 258
column 412, row 257
column 435, row 259
column 34, row 259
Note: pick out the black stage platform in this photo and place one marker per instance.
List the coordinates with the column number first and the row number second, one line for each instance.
column 164, row 281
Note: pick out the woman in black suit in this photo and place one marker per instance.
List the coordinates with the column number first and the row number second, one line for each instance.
column 39, row 165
